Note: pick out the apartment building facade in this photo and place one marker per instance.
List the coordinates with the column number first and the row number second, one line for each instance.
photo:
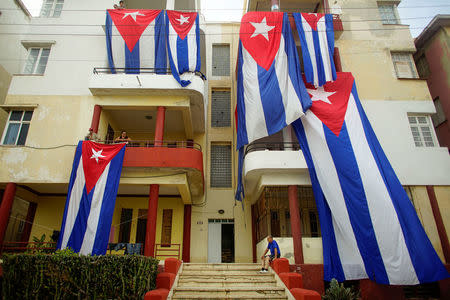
column 61, row 87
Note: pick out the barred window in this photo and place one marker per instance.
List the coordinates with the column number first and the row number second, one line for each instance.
column 404, row 65
column 439, row 117
column 220, row 109
column 220, row 166
column 422, row 131
column 422, row 67
column 221, row 60
column 17, row 127
column 51, row 8
column 36, row 61
column 387, row 14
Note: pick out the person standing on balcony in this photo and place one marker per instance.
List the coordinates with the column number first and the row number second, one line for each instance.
column 120, row 6
column 123, row 138
column 274, row 253
column 91, row 136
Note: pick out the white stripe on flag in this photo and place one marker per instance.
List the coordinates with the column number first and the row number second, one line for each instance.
column 74, row 203
column 292, row 106
column 323, row 41
column 192, row 47
column 117, row 47
column 173, row 36
column 94, row 213
column 312, row 53
column 147, row 47
column 388, row 231
column 329, row 182
column 255, row 120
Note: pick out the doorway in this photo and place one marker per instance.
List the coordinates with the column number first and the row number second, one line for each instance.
column 141, row 226
column 220, row 240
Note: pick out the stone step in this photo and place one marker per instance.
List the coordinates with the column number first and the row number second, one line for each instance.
column 221, row 267
column 228, row 278
column 229, row 292
column 226, row 283
column 211, row 297
column 222, row 272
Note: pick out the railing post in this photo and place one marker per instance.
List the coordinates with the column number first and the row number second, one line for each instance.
column 295, row 225
column 96, row 118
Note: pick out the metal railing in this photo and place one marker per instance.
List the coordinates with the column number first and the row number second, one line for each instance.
column 167, row 250
column 20, row 247
column 160, row 71
column 156, row 144
column 272, row 146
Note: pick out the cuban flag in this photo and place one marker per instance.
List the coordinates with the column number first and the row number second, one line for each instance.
column 91, row 197
column 135, row 40
column 370, row 228
column 317, row 40
column 270, row 89
column 183, row 44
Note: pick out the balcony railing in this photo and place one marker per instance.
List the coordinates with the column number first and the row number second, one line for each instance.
column 164, row 251
column 272, row 146
column 157, row 144
column 98, row 70
column 20, row 247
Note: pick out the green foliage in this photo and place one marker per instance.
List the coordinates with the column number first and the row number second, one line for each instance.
column 337, row 291
column 67, row 275
column 40, row 246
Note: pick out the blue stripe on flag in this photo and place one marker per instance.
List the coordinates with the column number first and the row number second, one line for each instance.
column 108, row 203
column 352, row 187
column 271, row 99
column 307, row 61
column 108, row 31
column 331, row 259
column 197, row 31
column 160, row 45
column 330, row 39
column 242, row 138
column 319, row 58
column 182, row 55
column 73, row 176
column 426, row 262
column 132, row 59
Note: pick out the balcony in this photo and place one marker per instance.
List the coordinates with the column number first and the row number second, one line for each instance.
column 273, row 164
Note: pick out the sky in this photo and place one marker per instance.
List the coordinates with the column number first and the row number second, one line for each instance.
column 231, row 10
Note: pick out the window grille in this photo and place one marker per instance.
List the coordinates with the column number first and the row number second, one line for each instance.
column 36, row 61
column 422, row 131
column 422, row 67
column 17, row 127
column 387, row 14
column 220, row 109
column 51, row 8
column 221, row 60
column 220, row 166
column 404, row 65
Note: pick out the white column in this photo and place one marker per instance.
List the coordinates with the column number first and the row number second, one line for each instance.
column 170, row 4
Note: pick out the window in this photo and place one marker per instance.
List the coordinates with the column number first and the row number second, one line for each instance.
column 404, row 65
column 422, row 67
column 387, row 14
column 125, row 225
column 220, row 166
column 51, row 8
column 439, row 117
column 220, row 109
column 166, row 228
column 221, row 60
column 17, row 128
column 422, row 131
column 36, row 61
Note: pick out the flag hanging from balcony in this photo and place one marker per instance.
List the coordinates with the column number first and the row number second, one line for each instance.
column 317, row 40
column 270, row 89
column 369, row 226
column 135, row 40
column 91, row 197
column 183, row 44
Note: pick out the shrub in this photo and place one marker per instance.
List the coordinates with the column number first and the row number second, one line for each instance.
column 67, row 275
column 337, row 291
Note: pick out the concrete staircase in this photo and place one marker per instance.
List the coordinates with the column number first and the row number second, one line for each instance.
column 226, row 281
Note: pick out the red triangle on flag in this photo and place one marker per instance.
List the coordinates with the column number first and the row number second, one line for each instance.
column 95, row 158
column 181, row 21
column 312, row 19
column 329, row 102
column 260, row 34
column 131, row 23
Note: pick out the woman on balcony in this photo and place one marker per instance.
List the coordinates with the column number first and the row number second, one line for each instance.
column 123, row 138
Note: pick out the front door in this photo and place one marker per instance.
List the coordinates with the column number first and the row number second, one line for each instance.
column 220, row 241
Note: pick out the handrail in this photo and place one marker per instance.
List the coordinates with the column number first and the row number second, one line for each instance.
column 156, row 144
column 272, row 146
column 18, row 247
column 161, row 71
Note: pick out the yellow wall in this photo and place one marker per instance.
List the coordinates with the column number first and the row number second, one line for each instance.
column 49, row 214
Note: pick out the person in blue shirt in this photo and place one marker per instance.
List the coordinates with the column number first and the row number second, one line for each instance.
column 274, row 253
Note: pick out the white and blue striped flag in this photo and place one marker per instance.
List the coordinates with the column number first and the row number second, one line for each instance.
column 316, row 34
column 369, row 226
column 91, row 197
column 183, row 44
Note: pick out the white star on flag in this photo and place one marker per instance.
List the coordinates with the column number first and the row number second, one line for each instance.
column 133, row 15
column 183, row 19
column 97, row 154
column 320, row 95
column 262, row 29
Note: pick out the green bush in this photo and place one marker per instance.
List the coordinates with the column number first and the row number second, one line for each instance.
column 337, row 291
column 67, row 275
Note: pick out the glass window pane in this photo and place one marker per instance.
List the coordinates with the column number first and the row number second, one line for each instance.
column 418, row 144
column 11, row 134
column 31, row 60
column 422, row 120
column 58, row 9
column 23, row 134
column 412, row 120
column 429, row 144
column 28, row 115
column 43, row 61
column 16, row 115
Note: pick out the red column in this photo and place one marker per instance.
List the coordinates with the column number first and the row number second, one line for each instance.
column 439, row 223
column 96, row 118
column 28, row 222
column 295, row 224
column 187, row 233
column 150, row 234
column 5, row 209
column 337, row 60
column 159, row 130
column 326, row 6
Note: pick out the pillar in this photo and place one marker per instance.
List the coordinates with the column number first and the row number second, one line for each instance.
column 187, row 233
column 337, row 60
column 295, row 224
column 28, row 222
column 96, row 118
column 5, row 209
column 326, row 6
column 439, row 223
column 159, row 130
column 150, row 234
column 254, row 220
